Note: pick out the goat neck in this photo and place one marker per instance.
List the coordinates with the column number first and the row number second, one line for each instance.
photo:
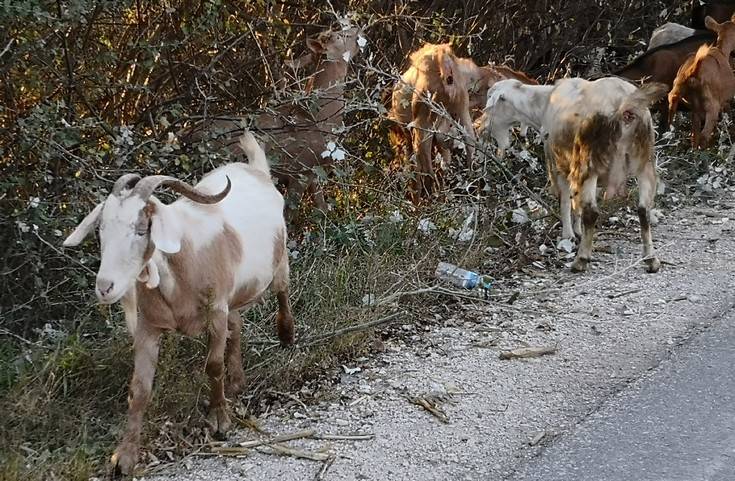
column 328, row 81
column 726, row 40
column 536, row 105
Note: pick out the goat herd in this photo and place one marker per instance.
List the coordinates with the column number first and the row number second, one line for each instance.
column 192, row 265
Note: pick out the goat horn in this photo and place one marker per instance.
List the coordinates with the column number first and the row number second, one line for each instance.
column 145, row 187
column 127, row 181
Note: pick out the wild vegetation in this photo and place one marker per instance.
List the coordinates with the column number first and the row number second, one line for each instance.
column 92, row 89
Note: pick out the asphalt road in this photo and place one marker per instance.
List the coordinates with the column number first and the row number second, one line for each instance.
column 676, row 424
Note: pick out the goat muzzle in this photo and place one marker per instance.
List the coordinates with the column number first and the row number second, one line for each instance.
column 145, row 187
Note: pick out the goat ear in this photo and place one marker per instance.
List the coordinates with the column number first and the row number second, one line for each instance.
column 711, row 24
column 85, row 227
column 166, row 231
column 315, row 45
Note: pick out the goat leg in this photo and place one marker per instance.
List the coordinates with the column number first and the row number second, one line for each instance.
column 422, row 144
column 317, row 193
column 565, row 207
column 284, row 318
column 696, row 128
column 709, row 125
column 217, row 418
column 295, row 195
column 233, row 355
column 469, row 137
column 145, row 349
column 647, row 190
column 590, row 213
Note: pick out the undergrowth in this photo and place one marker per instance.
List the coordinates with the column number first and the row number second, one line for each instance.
column 63, row 395
column 65, row 362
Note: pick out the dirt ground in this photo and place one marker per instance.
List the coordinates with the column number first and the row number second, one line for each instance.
column 609, row 325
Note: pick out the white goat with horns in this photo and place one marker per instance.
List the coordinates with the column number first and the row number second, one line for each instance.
column 190, row 266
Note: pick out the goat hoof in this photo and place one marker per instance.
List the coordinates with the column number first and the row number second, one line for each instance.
column 124, row 459
column 580, row 264
column 219, row 422
column 285, row 329
column 653, row 265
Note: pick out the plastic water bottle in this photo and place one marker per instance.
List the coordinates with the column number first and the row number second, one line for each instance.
column 461, row 277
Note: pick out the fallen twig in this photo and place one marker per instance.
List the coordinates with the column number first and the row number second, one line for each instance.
column 307, row 433
column 293, row 398
column 344, row 437
column 711, row 213
column 433, row 408
column 308, row 342
column 624, row 293
column 527, row 352
column 325, row 467
column 296, row 453
column 399, row 294
column 229, row 450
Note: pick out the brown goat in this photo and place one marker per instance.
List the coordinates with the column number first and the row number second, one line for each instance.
column 706, row 82
column 435, row 69
column 296, row 135
column 482, row 78
column 660, row 64
column 435, row 78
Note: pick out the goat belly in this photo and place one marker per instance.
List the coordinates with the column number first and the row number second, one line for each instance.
column 247, row 294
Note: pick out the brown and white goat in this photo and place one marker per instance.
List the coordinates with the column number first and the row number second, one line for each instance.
column 706, row 82
column 296, row 134
column 190, row 266
column 597, row 131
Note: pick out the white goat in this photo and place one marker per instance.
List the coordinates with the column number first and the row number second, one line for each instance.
column 596, row 130
column 190, row 266
column 526, row 109
column 669, row 33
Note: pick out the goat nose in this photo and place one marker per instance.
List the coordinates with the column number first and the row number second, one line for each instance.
column 104, row 286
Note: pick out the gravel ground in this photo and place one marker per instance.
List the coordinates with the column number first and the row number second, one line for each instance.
column 611, row 326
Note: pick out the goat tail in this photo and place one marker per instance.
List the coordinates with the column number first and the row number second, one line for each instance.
column 646, row 95
column 634, row 108
column 255, row 153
